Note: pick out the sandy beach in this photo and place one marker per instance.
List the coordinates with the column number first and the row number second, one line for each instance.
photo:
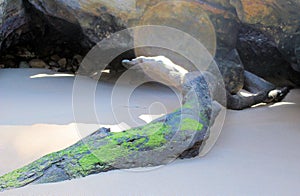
column 257, row 152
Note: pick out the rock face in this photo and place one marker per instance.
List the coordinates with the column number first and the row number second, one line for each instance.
column 256, row 48
column 224, row 26
column 272, row 30
column 1, row 10
column 88, row 22
column 13, row 19
column 278, row 19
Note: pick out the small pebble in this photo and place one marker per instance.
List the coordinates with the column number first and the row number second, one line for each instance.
column 23, row 52
column 24, row 64
column 55, row 58
column 62, row 62
column 53, row 64
column 37, row 63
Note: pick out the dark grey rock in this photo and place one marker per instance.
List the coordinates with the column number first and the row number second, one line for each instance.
column 37, row 63
column 24, row 64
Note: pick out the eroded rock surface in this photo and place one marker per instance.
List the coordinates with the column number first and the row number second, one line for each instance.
column 261, row 28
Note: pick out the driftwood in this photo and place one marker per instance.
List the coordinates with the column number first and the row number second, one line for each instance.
column 180, row 134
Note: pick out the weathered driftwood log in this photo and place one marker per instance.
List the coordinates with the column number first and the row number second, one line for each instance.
column 180, row 134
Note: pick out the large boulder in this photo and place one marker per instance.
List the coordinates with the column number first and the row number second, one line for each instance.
column 88, row 22
column 100, row 18
column 266, row 33
column 255, row 48
column 13, row 17
column 277, row 18
column 97, row 19
column 270, row 41
column 94, row 19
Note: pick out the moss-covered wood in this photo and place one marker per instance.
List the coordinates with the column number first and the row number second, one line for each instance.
column 154, row 144
column 177, row 135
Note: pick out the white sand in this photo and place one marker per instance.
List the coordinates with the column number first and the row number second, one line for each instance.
column 257, row 152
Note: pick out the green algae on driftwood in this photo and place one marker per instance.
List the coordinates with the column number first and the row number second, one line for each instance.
column 104, row 151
